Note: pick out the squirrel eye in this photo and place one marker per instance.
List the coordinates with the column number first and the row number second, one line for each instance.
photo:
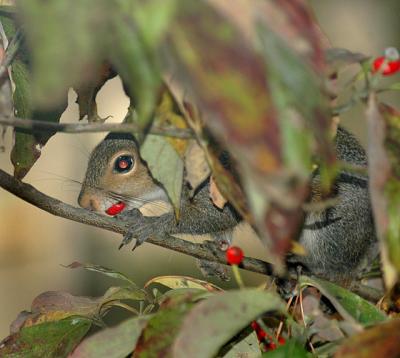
column 123, row 164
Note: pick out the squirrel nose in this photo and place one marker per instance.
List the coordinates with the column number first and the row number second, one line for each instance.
column 89, row 201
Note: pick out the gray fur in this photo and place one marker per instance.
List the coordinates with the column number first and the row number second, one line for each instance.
column 341, row 241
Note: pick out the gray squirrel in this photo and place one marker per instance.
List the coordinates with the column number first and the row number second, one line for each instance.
column 339, row 241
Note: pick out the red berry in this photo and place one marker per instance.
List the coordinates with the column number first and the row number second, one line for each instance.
column 390, row 68
column 261, row 335
column 281, row 340
column 234, row 255
column 116, row 208
column 255, row 325
column 271, row 346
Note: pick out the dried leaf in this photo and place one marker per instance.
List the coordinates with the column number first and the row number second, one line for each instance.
column 54, row 306
column 87, row 93
column 384, row 173
column 381, row 340
column 243, row 94
column 175, row 282
column 197, row 168
column 166, row 115
column 215, row 195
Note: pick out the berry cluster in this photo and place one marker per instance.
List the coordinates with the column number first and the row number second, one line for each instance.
column 265, row 339
column 390, row 61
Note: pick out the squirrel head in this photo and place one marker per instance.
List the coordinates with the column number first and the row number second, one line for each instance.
column 116, row 173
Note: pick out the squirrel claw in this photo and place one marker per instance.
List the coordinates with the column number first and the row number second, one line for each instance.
column 137, row 243
column 125, row 240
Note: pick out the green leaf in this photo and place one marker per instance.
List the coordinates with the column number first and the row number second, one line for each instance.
column 302, row 107
column 221, row 317
column 115, row 342
column 7, row 18
column 27, row 145
column 158, row 336
column 337, row 58
column 114, row 295
column 187, row 294
column 66, row 43
column 47, row 340
column 165, row 165
column 153, row 18
column 291, row 348
column 392, row 193
column 351, row 306
column 103, row 270
column 136, row 66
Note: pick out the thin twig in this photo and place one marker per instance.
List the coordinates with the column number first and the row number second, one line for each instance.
column 43, row 126
column 56, row 207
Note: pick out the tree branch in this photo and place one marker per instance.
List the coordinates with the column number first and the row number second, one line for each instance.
column 43, row 126
column 56, row 207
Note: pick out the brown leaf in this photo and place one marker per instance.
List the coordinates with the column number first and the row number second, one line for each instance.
column 215, row 195
column 53, row 306
column 216, row 65
column 326, row 329
column 379, row 341
column 167, row 115
column 176, row 282
column 197, row 168
column 384, row 173
column 87, row 92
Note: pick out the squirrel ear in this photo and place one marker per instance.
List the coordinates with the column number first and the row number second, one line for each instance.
column 118, row 135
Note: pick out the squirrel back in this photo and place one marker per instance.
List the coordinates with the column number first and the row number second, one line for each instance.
column 340, row 241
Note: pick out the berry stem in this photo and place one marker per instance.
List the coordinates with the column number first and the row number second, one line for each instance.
column 238, row 277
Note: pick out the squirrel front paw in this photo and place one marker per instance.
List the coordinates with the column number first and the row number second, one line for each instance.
column 142, row 227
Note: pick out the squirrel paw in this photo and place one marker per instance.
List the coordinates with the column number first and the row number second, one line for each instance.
column 144, row 227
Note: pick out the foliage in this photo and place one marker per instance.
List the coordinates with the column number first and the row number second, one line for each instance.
column 186, row 317
column 252, row 76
